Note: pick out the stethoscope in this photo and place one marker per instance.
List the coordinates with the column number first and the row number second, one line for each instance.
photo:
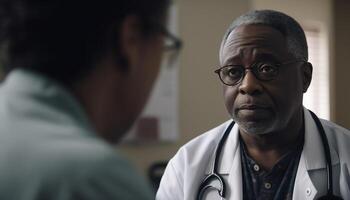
column 214, row 176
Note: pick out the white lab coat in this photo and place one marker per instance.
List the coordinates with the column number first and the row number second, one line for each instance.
column 193, row 162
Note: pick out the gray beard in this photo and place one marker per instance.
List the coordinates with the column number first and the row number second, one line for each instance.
column 256, row 128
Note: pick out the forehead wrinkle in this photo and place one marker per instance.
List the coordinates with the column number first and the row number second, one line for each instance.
column 248, row 48
column 262, row 39
column 238, row 48
column 249, row 41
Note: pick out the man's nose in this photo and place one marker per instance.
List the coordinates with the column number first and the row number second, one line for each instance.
column 250, row 84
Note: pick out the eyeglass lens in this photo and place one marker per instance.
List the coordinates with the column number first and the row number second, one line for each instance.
column 233, row 74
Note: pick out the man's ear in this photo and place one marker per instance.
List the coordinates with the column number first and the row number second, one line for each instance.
column 307, row 75
column 130, row 39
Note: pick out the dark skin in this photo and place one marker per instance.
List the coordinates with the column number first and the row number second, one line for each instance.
column 269, row 113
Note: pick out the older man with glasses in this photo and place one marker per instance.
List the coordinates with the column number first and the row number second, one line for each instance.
column 273, row 148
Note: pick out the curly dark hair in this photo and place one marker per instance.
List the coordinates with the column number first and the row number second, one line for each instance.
column 63, row 39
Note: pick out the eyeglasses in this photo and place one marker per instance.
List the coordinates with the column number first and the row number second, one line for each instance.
column 171, row 48
column 263, row 71
column 172, row 44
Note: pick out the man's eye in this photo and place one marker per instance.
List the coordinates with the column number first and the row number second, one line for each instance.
column 234, row 72
column 267, row 69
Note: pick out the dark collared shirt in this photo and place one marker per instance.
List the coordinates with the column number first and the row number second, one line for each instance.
column 276, row 184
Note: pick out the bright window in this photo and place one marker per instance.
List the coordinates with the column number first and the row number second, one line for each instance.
column 317, row 96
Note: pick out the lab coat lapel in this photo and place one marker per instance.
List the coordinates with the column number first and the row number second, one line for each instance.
column 230, row 165
column 226, row 157
column 312, row 158
column 229, row 152
column 303, row 186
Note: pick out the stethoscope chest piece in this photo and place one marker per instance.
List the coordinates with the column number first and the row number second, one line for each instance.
column 212, row 183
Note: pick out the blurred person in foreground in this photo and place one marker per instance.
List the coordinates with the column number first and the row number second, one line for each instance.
column 78, row 75
column 273, row 148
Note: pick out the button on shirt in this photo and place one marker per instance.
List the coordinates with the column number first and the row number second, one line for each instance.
column 278, row 183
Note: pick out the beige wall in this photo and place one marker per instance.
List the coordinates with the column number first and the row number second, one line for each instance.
column 302, row 10
column 342, row 62
column 202, row 24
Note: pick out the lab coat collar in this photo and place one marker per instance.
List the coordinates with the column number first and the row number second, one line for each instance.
column 230, row 163
column 229, row 151
column 312, row 158
column 313, row 151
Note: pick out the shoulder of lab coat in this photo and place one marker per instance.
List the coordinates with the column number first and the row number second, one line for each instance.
column 187, row 168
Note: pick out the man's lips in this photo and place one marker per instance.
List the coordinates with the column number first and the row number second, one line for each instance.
column 252, row 107
column 253, row 112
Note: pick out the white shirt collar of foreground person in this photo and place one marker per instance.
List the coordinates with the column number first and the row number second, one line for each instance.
column 193, row 161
